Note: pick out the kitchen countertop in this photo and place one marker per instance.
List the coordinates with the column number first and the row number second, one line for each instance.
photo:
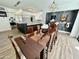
column 30, row 23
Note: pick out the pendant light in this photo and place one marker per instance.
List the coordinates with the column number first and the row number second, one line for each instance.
column 52, row 6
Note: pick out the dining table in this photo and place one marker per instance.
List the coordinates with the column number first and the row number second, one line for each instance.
column 33, row 47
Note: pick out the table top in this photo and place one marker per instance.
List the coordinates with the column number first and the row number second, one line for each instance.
column 42, row 41
column 30, row 47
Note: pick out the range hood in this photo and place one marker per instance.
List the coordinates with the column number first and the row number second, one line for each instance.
column 3, row 14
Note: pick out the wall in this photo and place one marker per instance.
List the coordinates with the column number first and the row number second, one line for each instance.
column 75, row 30
column 64, row 5
column 4, row 24
column 26, row 16
column 67, row 5
column 37, row 17
column 4, row 21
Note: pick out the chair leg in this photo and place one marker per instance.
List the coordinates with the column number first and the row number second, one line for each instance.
column 51, row 47
column 44, row 54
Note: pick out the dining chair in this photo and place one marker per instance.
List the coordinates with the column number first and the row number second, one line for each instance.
column 19, row 54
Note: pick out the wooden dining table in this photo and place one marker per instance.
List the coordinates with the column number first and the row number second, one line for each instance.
column 33, row 46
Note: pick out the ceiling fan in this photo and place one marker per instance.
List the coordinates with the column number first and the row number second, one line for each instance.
column 18, row 2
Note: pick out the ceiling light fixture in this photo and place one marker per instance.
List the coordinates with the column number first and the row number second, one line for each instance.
column 31, row 9
column 52, row 6
column 19, row 12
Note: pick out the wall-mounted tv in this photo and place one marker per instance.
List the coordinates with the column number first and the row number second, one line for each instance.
column 3, row 14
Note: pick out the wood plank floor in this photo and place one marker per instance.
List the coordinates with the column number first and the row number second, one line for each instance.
column 6, row 49
column 66, row 47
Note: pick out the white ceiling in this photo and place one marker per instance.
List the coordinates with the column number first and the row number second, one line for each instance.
column 39, row 5
column 27, row 4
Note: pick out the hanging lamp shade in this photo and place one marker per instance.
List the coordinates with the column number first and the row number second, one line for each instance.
column 52, row 6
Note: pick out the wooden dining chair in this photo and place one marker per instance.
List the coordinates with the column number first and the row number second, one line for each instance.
column 29, row 31
column 19, row 54
column 52, row 30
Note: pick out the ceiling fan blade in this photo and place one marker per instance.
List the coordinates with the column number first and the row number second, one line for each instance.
column 17, row 3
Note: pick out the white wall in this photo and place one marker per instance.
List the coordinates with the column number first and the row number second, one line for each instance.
column 64, row 5
column 4, row 24
column 75, row 29
column 4, row 21
column 37, row 16
column 67, row 4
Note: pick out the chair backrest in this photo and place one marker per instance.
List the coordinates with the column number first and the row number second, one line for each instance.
column 19, row 54
column 52, row 27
